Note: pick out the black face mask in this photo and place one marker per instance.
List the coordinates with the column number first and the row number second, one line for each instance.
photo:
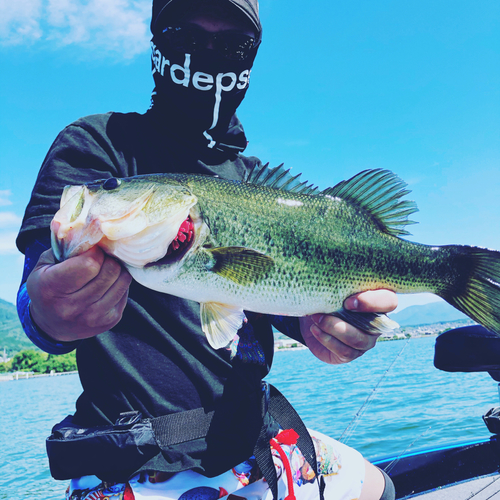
column 197, row 94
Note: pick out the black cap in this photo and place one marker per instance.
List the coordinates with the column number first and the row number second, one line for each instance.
column 248, row 7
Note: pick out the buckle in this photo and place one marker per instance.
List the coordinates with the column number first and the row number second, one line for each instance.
column 128, row 419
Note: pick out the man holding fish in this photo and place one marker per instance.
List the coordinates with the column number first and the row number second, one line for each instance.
column 163, row 414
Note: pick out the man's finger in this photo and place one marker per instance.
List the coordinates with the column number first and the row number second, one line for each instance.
column 106, row 313
column 114, row 294
column 338, row 351
column 380, row 301
column 345, row 333
column 73, row 274
column 109, row 273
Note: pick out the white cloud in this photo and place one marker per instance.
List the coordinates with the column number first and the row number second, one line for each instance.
column 100, row 26
column 8, row 219
column 4, row 196
column 20, row 20
column 8, row 242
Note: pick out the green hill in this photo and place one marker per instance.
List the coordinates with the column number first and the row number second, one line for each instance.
column 12, row 336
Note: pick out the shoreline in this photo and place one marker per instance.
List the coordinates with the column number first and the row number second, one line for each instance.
column 301, row 347
column 8, row 377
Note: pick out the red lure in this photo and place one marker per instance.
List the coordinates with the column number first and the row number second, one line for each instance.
column 184, row 236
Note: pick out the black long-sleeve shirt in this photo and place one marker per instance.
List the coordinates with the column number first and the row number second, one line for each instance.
column 157, row 360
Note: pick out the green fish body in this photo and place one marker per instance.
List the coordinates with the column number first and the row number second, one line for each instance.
column 272, row 245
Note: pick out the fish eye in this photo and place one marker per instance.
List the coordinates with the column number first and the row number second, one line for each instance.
column 111, row 184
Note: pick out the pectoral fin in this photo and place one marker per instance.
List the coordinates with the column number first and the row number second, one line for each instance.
column 220, row 323
column 369, row 322
column 241, row 265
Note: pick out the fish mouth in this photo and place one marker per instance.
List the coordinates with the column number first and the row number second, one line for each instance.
column 128, row 228
column 65, row 247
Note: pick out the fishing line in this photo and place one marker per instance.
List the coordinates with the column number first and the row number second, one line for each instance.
column 398, row 458
column 349, row 430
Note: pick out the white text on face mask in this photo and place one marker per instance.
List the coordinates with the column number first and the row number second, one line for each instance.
column 181, row 75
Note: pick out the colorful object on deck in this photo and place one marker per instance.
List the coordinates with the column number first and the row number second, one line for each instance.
column 245, row 481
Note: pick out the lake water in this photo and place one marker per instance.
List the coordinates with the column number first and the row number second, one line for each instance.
column 413, row 406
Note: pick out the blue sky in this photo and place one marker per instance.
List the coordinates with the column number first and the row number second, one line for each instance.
column 337, row 87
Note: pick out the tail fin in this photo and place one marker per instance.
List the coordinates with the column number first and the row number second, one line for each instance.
column 478, row 294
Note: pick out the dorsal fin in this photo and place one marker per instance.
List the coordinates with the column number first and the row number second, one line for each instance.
column 279, row 178
column 379, row 192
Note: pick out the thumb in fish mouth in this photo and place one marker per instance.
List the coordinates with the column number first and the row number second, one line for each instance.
column 75, row 242
column 71, row 234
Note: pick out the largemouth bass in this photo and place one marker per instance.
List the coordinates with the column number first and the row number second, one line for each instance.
column 272, row 245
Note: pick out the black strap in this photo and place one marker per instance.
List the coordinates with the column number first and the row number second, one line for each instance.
column 264, row 458
column 284, row 413
column 181, row 427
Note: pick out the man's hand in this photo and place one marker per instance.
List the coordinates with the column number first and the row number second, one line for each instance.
column 78, row 298
column 333, row 340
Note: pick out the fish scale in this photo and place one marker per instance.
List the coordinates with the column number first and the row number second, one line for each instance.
column 308, row 255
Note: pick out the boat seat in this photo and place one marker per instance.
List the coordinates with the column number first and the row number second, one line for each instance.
column 468, row 349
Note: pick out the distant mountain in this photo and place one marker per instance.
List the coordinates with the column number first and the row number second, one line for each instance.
column 435, row 312
column 8, row 314
column 12, row 336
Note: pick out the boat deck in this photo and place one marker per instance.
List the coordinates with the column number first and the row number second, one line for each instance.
column 483, row 488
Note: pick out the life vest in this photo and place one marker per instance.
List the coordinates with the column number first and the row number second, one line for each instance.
column 118, row 452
